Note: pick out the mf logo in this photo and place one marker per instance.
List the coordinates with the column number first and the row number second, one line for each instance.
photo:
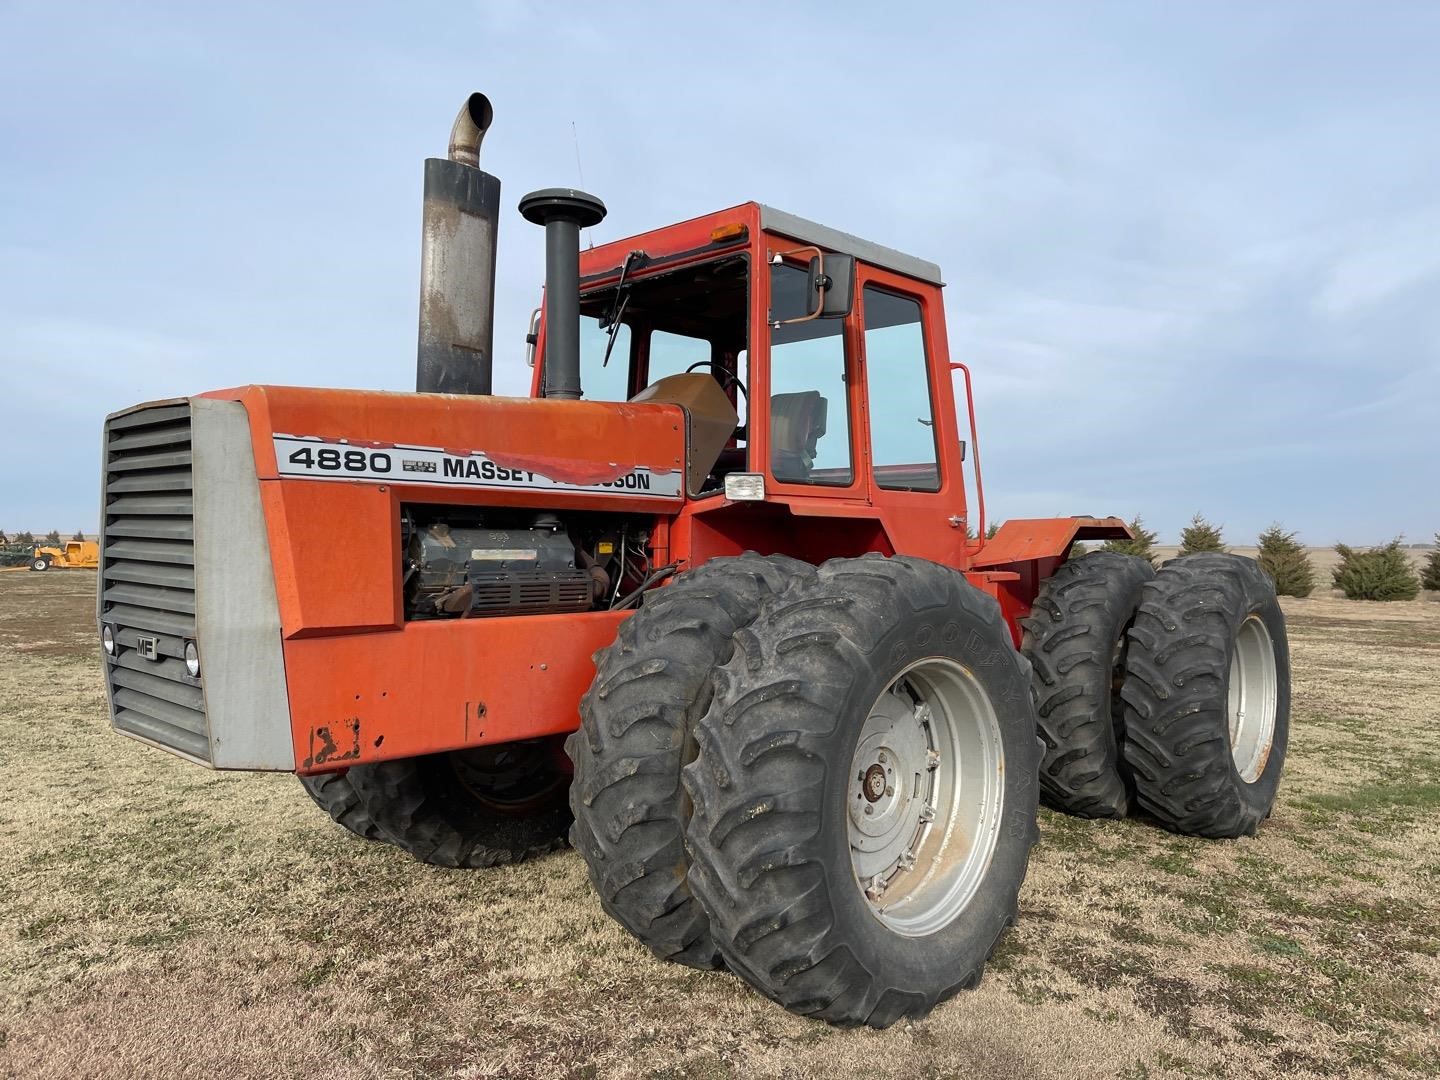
column 148, row 647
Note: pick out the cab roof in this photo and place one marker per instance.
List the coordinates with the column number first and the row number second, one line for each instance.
column 822, row 236
column 605, row 260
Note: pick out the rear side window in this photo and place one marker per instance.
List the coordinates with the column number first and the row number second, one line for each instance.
column 902, row 417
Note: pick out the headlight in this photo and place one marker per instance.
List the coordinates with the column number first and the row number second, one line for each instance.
column 107, row 639
column 192, row 659
column 745, row 487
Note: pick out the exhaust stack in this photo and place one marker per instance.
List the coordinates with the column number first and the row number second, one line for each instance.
column 563, row 212
column 459, row 221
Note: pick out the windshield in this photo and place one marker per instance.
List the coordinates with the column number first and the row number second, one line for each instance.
column 693, row 318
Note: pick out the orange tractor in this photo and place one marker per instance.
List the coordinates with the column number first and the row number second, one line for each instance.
column 714, row 601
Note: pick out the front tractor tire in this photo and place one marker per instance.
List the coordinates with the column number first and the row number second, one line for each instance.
column 1075, row 639
column 865, row 792
column 636, row 723
column 333, row 793
column 481, row 807
column 40, row 563
column 1207, row 696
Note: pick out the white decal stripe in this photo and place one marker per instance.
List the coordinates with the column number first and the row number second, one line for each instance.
column 335, row 459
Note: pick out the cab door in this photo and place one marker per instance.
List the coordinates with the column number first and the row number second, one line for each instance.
column 912, row 459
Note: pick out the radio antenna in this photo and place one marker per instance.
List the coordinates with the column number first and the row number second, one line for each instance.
column 580, row 170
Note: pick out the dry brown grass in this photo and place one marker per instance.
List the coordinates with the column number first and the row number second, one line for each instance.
column 159, row 920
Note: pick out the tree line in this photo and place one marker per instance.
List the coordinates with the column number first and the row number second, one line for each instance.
column 27, row 539
column 1383, row 572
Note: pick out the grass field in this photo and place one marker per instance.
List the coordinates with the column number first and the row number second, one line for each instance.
column 160, row 920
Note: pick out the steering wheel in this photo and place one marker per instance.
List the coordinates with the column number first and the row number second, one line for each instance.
column 723, row 377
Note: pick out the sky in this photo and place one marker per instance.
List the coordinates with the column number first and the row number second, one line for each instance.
column 1192, row 252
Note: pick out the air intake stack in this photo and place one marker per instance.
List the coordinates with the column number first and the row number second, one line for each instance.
column 457, row 262
column 563, row 212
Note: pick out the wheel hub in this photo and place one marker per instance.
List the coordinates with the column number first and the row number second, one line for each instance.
column 873, row 782
column 925, row 794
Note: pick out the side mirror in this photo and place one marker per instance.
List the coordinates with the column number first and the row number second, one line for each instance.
column 829, row 284
column 835, row 275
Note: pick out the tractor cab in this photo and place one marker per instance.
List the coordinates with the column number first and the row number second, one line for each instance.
column 812, row 366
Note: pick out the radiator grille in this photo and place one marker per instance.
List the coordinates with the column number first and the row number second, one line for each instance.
column 147, row 582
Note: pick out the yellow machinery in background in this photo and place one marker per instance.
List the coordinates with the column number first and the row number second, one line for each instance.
column 71, row 555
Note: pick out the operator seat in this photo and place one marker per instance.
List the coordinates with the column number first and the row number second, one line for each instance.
column 713, row 419
column 797, row 421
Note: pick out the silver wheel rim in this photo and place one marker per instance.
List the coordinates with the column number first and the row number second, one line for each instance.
column 925, row 797
column 1252, row 699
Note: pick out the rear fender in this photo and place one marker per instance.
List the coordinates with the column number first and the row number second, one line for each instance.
column 1032, row 549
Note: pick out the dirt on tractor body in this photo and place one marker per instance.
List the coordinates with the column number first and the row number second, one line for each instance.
column 157, row 919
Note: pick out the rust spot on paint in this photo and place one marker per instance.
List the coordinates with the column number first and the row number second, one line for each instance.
column 475, row 719
column 325, row 744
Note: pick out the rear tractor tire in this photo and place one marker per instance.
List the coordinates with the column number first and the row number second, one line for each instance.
column 865, row 791
column 636, row 724
column 1207, row 696
column 1075, row 638
column 333, row 793
column 481, row 807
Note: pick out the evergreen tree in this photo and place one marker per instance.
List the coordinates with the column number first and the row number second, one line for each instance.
column 79, row 535
column 53, row 536
column 1285, row 559
column 1142, row 544
column 1430, row 576
column 1200, row 536
column 27, row 538
column 991, row 530
column 1379, row 573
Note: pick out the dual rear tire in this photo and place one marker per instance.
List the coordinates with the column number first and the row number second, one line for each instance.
column 824, row 779
column 1207, row 697
column 1161, row 692
column 864, row 792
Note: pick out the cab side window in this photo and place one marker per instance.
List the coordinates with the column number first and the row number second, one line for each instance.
column 902, row 417
column 809, row 405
